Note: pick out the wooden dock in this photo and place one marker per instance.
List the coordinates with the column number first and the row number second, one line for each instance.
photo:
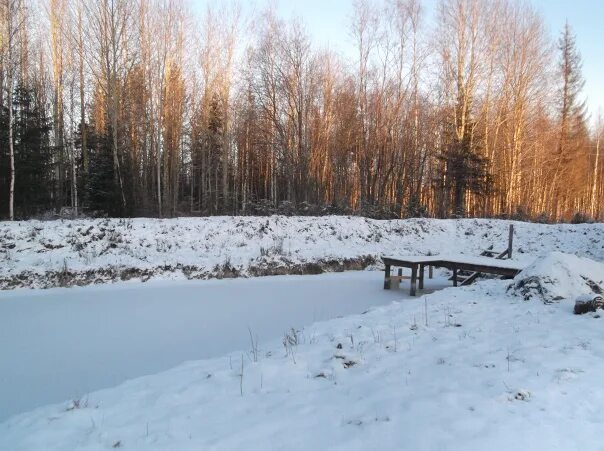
column 489, row 262
column 456, row 263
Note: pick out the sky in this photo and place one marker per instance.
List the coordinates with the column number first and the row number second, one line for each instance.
column 585, row 18
column 327, row 21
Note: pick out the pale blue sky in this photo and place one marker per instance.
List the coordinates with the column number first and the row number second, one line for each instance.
column 328, row 22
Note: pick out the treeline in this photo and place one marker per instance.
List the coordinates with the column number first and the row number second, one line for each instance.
column 141, row 108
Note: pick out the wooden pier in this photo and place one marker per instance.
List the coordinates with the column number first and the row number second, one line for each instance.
column 456, row 263
column 490, row 262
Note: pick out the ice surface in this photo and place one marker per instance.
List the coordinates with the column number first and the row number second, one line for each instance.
column 62, row 343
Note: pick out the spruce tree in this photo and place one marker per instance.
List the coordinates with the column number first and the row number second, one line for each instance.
column 464, row 169
column 572, row 109
column 33, row 164
column 102, row 195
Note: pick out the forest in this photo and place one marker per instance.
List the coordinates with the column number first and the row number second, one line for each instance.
column 152, row 108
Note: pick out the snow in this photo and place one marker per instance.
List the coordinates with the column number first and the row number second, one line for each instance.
column 62, row 343
column 461, row 258
column 484, row 370
column 559, row 276
column 489, row 366
column 46, row 254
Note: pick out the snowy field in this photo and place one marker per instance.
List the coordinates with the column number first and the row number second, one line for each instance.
column 333, row 362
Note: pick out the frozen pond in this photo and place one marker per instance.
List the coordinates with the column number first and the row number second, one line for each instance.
column 60, row 344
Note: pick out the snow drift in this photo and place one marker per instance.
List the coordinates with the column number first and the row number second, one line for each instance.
column 558, row 276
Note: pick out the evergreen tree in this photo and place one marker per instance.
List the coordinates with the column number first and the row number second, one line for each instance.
column 572, row 109
column 214, row 151
column 33, row 153
column 464, row 169
column 101, row 191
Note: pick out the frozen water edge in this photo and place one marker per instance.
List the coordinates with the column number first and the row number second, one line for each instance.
column 60, row 344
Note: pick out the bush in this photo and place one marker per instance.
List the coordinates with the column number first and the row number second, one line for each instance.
column 376, row 211
column 520, row 214
column 415, row 210
column 581, row 218
column 286, row 208
column 264, row 207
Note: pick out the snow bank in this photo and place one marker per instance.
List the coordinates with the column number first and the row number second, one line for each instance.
column 80, row 252
column 558, row 276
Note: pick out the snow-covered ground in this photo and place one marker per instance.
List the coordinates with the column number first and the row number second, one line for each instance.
column 469, row 368
column 60, row 253
column 499, row 365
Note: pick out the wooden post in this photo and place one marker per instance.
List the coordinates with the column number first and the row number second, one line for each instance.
column 421, row 277
column 397, row 282
column 510, row 240
column 413, row 279
column 430, row 269
column 454, row 277
column 387, row 277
